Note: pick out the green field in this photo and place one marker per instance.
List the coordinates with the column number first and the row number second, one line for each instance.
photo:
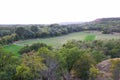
column 58, row 41
column 13, row 48
column 89, row 37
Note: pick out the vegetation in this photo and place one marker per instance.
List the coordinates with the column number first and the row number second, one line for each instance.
column 55, row 58
column 30, row 66
column 22, row 32
column 76, row 59
column 33, row 47
column 8, row 64
column 13, row 49
column 89, row 37
column 94, row 72
column 57, row 42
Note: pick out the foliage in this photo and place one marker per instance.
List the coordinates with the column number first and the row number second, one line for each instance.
column 99, row 56
column 68, row 57
column 12, row 49
column 93, row 72
column 82, row 66
column 8, row 39
column 51, row 62
column 34, row 29
column 30, row 67
column 23, row 33
column 8, row 64
column 106, row 25
column 23, row 73
column 72, row 60
column 89, row 37
column 33, row 47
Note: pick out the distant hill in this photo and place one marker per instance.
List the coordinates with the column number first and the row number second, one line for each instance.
column 107, row 19
column 68, row 23
column 108, row 24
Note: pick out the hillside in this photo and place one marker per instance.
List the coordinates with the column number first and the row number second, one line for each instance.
column 101, row 24
column 112, row 24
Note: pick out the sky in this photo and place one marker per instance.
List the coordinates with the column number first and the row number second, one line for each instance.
column 56, row 11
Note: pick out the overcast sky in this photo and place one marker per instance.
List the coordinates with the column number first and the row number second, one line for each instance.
column 55, row 11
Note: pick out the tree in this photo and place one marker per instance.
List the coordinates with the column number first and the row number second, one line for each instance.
column 67, row 59
column 23, row 73
column 33, row 47
column 82, row 66
column 106, row 31
column 8, row 64
column 93, row 72
column 20, row 31
column 25, row 49
column 23, row 33
column 114, row 52
column 98, row 56
column 31, row 63
column 8, row 39
column 51, row 62
column 34, row 29
column 44, row 34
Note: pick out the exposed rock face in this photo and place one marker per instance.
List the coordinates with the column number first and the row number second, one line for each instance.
column 104, row 67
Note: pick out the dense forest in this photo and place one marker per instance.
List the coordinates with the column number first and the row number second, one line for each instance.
column 74, row 60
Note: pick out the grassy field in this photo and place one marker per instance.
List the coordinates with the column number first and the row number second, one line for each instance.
column 89, row 37
column 13, row 49
column 58, row 41
column 53, row 41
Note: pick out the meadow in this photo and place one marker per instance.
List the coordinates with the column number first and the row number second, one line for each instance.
column 58, row 41
column 90, row 37
column 13, row 49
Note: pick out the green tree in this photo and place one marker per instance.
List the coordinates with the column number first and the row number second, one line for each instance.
column 23, row 33
column 23, row 73
column 8, row 64
column 93, row 72
column 20, row 32
column 82, row 66
column 67, row 59
column 98, row 56
column 33, row 47
column 31, row 62
column 34, row 29
column 51, row 62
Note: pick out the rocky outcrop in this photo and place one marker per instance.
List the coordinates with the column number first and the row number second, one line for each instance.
column 105, row 72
